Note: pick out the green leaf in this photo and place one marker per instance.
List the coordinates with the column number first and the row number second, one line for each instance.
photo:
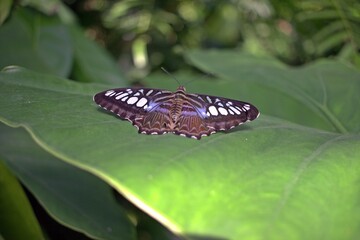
column 5, row 7
column 332, row 42
column 51, row 7
column 73, row 197
column 326, row 32
column 312, row 96
column 270, row 179
column 317, row 15
column 92, row 63
column 47, row 45
column 17, row 220
column 37, row 42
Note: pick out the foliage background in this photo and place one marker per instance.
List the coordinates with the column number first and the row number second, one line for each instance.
column 293, row 173
column 157, row 33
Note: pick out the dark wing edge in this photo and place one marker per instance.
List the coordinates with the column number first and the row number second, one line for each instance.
column 116, row 106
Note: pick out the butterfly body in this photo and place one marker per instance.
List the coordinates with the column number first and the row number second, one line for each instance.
column 156, row 111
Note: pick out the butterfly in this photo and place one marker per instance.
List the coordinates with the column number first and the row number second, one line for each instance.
column 157, row 111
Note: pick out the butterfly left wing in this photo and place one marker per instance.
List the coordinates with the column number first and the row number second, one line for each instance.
column 141, row 106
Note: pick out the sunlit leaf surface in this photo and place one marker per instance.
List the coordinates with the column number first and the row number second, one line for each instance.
column 268, row 179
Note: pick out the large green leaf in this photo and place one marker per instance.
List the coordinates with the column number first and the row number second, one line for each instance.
column 270, row 179
column 37, row 42
column 92, row 63
column 74, row 197
column 46, row 44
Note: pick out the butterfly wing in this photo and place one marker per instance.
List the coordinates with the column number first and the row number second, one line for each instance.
column 190, row 123
column 150, row 111
column 144, row 108
column 156, row 121
column 220, row 114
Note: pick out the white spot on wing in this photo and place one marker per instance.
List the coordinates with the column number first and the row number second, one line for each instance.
column 109, row 92
column 142, row 91
column 247, row 106
column 209, row 99
column 124, row 99
column 223, row 111
column 238, row 108
column 137, row 94
column 132, row 100
column 213, row 110
column 121, row 96
column 149, row 92
column 235, row 110
column 141, row 102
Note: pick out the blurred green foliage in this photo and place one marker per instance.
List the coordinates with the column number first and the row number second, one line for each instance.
column 144, row 35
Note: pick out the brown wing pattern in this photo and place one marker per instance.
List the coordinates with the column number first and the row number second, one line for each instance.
column 190, row 124
column 156, row 121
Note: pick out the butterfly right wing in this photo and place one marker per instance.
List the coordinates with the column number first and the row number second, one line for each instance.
column 220, row 114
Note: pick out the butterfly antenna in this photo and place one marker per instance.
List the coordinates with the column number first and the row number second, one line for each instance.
column 171, row 75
